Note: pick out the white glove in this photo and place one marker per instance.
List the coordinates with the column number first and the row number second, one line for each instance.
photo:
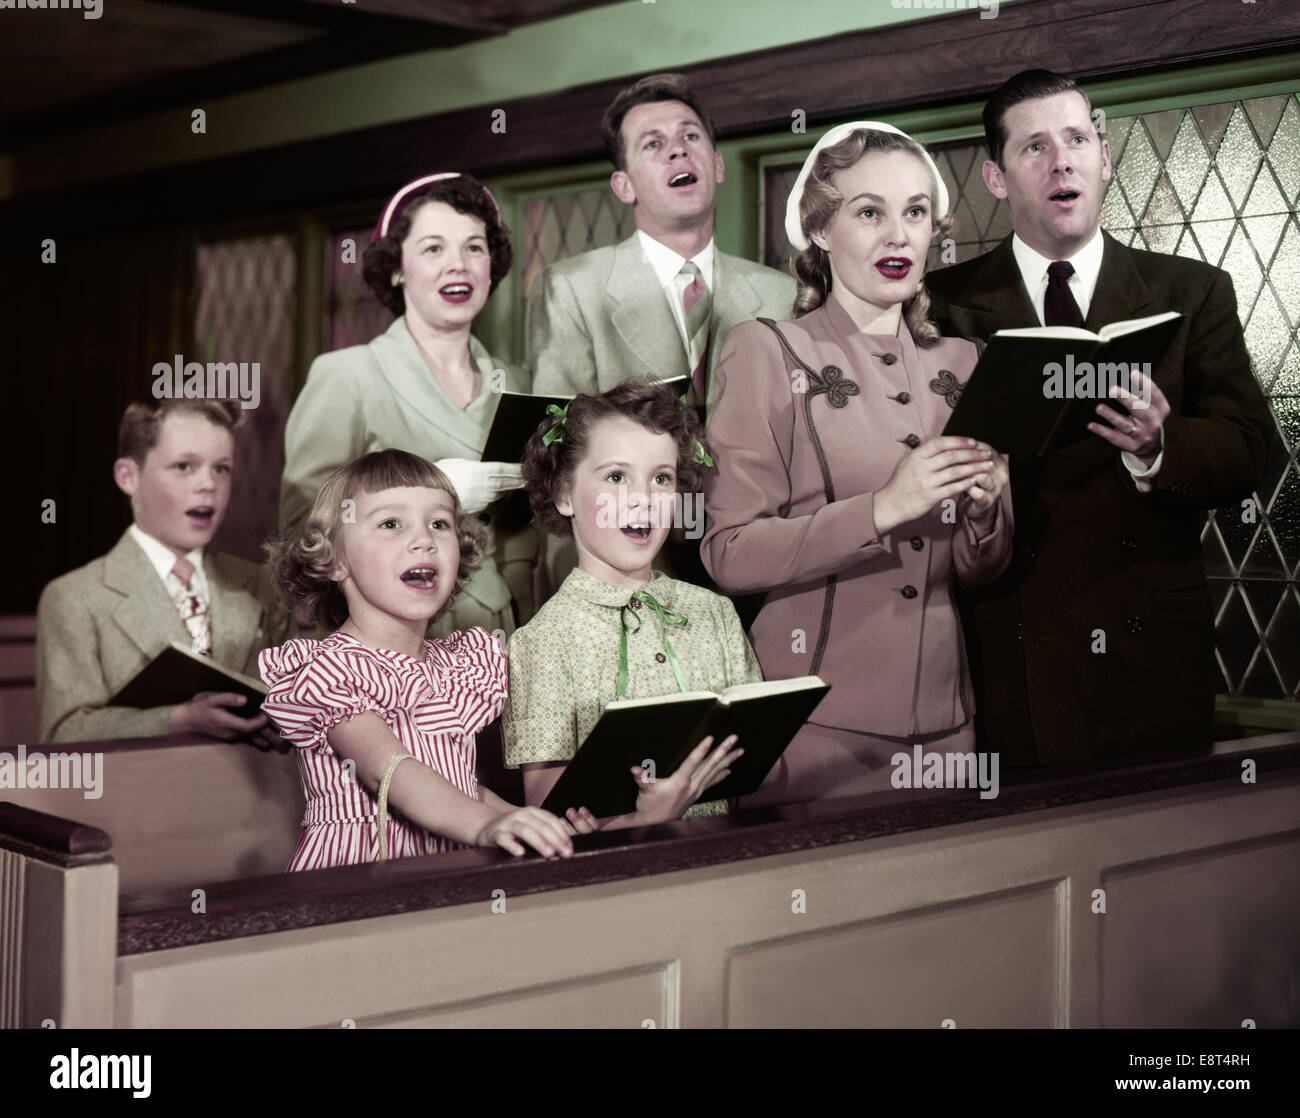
column 478, row 484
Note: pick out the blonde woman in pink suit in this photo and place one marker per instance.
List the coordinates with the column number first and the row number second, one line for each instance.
column 837, row 494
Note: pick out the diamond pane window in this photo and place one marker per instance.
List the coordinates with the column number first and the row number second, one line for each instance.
column 247, row 300
column 566, row 224
column 1218, row 183
column 353, row 316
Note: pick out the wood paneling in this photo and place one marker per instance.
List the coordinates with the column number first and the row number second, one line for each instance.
column 1222, row 910
column 985, row 923
column 991, row 962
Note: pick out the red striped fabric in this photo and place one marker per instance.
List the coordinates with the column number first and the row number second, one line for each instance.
column 434, row 707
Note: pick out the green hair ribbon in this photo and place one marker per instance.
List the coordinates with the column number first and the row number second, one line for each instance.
column 556, row 433
column 701, row 456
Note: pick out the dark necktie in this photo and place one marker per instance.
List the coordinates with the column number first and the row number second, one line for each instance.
column 1059, row 307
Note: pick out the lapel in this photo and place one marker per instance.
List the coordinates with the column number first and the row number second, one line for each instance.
column 1120, row 291
column 734, row 301
column 146, row 614
column 641, row 315
column 401, row 364
column 994, row 298
column 236, row 610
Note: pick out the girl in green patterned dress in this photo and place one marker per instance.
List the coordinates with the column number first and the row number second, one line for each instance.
column 613, row 470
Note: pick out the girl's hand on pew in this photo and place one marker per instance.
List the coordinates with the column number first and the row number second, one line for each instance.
column 540, row 829
column 579, row 821
column 269, row 741
column 206, row 713
column 662, row 800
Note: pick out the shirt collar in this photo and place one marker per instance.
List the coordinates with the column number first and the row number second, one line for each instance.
column 1087, row 264
column 666, row 263
column 161, row 557
column 600, row 593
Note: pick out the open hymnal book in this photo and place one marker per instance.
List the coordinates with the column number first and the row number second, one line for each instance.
column 1035, row 390
column 661, row 731
column 177, row 674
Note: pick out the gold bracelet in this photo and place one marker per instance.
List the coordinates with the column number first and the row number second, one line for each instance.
column 384, row 782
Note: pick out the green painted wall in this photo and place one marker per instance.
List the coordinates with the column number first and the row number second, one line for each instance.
column 623, row 38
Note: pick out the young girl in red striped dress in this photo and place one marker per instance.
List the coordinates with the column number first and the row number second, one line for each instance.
column 385, row 549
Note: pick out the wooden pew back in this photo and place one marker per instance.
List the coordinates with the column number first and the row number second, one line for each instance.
column 182, row 813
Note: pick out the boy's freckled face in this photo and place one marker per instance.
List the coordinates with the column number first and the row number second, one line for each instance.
column 400, row 555
column 180, row 493
column 621, row 500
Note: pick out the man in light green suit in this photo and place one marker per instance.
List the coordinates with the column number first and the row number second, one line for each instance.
column 660, row 303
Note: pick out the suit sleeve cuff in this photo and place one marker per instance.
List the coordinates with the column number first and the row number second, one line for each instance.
column 979, row 534
column 1144, row 476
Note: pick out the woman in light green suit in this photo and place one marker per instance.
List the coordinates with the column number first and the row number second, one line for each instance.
column 426, row 385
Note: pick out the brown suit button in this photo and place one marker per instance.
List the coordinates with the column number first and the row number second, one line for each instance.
column 902, row 398
column 913, row 441
column 1135, row 624
column 1020, row 631
column 1128, row 544
column 917, row 543
column 909, row 592
column 660, row 657
column 888, row 358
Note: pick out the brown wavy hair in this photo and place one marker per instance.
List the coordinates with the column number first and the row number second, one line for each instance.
column 464, row 194
column 300, row 562
column 818, row 206
column 141, row 424
column 547, row 469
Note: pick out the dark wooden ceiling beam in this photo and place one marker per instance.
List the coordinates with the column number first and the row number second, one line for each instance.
column 939, row 59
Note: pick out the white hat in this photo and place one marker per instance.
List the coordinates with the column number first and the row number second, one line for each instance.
column 793, row 226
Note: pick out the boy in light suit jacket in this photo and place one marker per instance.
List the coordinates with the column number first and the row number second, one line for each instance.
column 99, row 625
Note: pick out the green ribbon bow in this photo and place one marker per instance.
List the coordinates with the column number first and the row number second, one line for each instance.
column 556, row 433
column 701, row 456
column 666, row 617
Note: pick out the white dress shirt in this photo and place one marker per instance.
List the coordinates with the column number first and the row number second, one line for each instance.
column 667, row 265
column 1087, row 267
column 163, row 558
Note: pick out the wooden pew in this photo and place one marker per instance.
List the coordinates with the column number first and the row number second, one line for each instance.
column 863, row 912
column 17, row 679
column 183, row 811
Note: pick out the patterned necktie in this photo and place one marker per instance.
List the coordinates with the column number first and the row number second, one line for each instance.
column 193, row 611
column 1059, row 307
column 698, row 306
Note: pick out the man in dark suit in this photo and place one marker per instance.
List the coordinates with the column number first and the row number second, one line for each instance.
column 1099, row 639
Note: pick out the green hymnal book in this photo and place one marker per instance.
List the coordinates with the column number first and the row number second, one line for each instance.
column 1036, row 390
column 664, row 729
column 177, row 674
column 519, row 414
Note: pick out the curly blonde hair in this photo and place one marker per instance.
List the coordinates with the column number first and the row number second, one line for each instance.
column 301, row 561
column 818, row 206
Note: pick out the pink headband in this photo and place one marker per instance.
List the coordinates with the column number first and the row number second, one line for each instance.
column 394, row 204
